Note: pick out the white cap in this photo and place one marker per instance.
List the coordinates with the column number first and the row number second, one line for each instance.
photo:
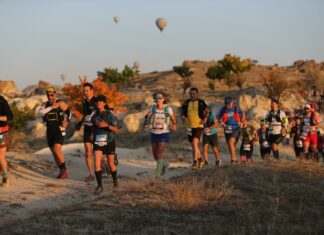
column 307, row 106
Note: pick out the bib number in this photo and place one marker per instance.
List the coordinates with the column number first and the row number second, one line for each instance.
column 207, row 131
column 228, row 130
column 101, row 140
column 1, row 136
column 299, row 143
column 189, row 131
column 246, row 147
column 265, row 144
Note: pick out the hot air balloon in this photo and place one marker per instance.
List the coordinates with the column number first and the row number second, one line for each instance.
column 116, row 19
column 161, row 23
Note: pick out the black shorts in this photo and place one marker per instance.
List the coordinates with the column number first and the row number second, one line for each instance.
column 235, row 134
column 210, row 139
column 54, row 136
column 108, row 149
column 246, row 153
column 195, row 133
column 264, row 151
column 275, row 139
column 298, row 150
column 88, row 134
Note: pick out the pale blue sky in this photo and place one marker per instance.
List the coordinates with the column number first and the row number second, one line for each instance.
column 40, row 40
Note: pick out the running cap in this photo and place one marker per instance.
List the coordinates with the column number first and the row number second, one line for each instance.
column 228, row 100
column 307, row 106
column 101, row 98
column 50, row 90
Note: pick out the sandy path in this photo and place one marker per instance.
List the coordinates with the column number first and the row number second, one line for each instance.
column 34, row 189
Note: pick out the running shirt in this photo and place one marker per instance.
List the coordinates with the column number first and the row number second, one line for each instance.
column 194, row 120
column 230, row 122
column 296, row 132
column 89, row 108
column 210, row 121
column 55, row 117
column 310, row 122
column 276, row 120
column 5, row 111
column 159, row 123
column 102, row 136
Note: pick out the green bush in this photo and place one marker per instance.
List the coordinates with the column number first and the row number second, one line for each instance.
column 112, row 75
column 21, row 117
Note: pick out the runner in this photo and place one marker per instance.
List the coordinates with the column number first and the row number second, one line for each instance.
column 263, row 136
column 89, row 108
column 5, row 116
column 105, row 127
column 297, row 141
column 194, row 116
column 248, row 138
column 232, row 117
column 277, row 122
column 56, row 114
column 210, row 137
column 161, row 119
column 309, row 136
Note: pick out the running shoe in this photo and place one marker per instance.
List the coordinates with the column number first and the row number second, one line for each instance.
column 194, row 165
column 234, row 161
column 115, row 182
column 218, row 163
column 165, row 167
column 98, row 191
column 89, row 178
column 206, row 163
column 63, row 174
column 201, row 164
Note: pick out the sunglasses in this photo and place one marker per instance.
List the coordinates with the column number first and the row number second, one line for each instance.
column 50, row 95
column 158, row 97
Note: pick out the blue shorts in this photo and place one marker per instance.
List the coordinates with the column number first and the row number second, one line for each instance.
column 157, row 138
column 235, row 134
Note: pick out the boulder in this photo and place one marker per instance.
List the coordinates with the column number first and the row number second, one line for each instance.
column 8, row 87
column 30, row 102
column 133, row 122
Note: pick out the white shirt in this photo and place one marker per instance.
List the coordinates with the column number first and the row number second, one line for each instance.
column 274, row 125
column 158, row 121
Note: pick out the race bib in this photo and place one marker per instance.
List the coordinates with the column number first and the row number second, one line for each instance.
column 87, row 120
column 189, row 131
column 1, row 136
column 265, row 144
column 101, row 140
column 299, row 143
column 246, row 147
column 207, row 131
column 228, row 130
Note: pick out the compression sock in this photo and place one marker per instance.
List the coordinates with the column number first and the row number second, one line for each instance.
column 159, row 167
column 114, row 175
column 62, row 166
column 99, row 178
column 4, row 177
column 276, row 154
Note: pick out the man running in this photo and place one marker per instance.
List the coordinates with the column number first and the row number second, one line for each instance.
column 89, row 108
column 263, row 136
column 309, row 135
column 56, row 114
column 194, row 116
column 297, row 141
column 5, row 116
column 232, row 118
column 277, row 121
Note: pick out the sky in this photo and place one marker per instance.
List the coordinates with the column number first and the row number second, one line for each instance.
column 43, row 39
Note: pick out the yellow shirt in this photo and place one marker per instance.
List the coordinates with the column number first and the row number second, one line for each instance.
column 193, row 115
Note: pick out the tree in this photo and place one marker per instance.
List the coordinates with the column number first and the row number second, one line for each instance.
column 274, row 86
column 115, row 99
column 112, row 75
column 230, row 69
column 185, row 73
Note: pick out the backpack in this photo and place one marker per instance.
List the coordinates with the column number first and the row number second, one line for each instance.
column 276, row 116
column 236, row 114
column 166, row 113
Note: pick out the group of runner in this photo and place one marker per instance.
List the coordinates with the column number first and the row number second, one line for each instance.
column 101, row 125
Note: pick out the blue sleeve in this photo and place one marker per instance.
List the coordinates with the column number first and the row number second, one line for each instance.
column 220, row 114
column 239, row 110
column 112, row 120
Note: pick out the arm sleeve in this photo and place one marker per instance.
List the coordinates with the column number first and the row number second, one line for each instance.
column 8, row 111
column 239, row 110
column 220, row 113
column 43, row 110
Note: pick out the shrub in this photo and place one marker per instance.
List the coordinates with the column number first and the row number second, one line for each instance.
column 112, row 75
column 21, row 117
column 185, row 73
column 274, row 85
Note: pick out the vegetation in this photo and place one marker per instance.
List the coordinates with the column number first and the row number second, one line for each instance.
column 185, row 72
column 230, row 68
column 21, row 117
column 113, row 76
column 274, row 85
column 115, row 99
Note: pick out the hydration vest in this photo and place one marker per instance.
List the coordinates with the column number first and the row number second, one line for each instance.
column 237, row 117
